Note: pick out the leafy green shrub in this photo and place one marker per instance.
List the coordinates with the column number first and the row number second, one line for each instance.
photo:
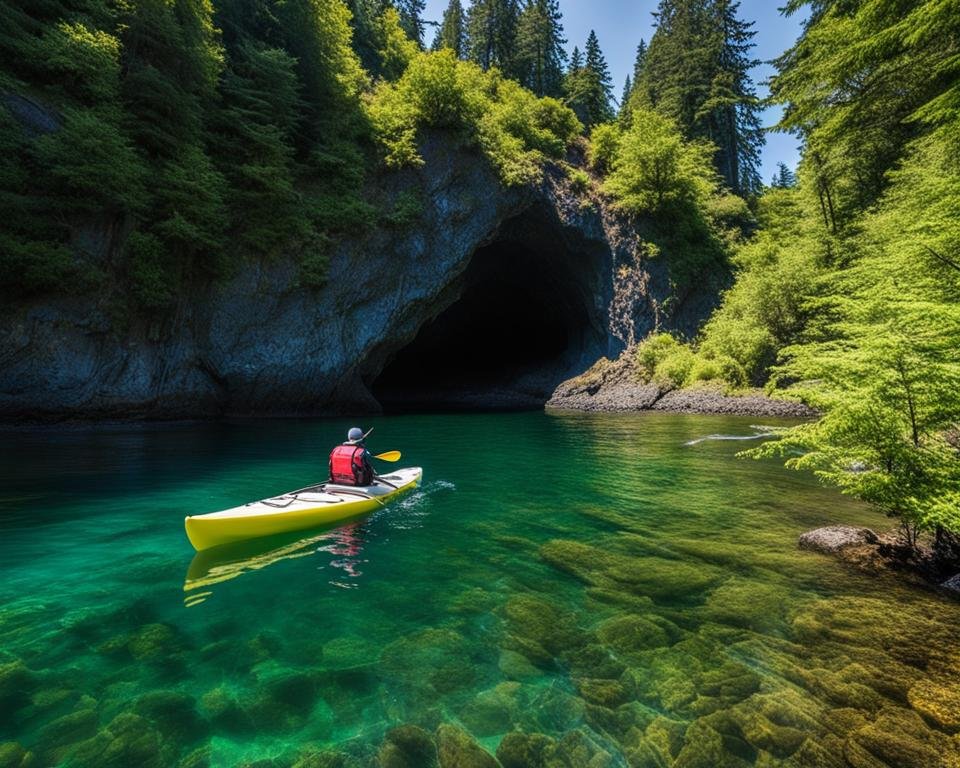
column 314, row 262
column 514, row 128
column 654, row 167
column 604, row 146
column 652, row 350
column 149, row 271
column 675, row 368
column 407, row 208
column 579, row 181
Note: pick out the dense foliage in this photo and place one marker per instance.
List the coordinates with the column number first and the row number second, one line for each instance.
column 189, row 134
column 696, row 72
column 848, row 296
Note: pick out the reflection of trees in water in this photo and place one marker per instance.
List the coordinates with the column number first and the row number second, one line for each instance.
column 345, row 544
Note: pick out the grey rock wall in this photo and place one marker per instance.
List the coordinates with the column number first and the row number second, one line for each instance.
column 262, row 344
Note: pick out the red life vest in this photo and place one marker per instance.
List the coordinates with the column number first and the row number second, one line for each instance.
column 347, row 467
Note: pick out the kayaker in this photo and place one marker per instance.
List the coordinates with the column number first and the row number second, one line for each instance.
column 350, row 462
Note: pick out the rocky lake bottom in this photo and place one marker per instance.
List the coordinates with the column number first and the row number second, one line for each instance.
column 565, row 590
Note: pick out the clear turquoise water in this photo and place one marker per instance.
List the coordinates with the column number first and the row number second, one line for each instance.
column 634, row 598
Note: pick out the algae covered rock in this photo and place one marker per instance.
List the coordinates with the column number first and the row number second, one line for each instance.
column 407, row 746
column 578, row 748
column 457, row 749
column 349, row 652
column 127, row 741
column 630, row 634
column 174, row 714
column 900, row 737
column 516, row 666
column 433, row 661
column 748, row 603
column 16, row 682
column 523, row 750
column 492, row 711
column 938, row 701
column 13, row 755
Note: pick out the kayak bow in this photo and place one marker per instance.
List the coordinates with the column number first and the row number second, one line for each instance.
column 307, row 508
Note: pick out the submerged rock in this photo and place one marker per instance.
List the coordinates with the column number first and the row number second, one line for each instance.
column 13, row 755
column 938, row 701
column 407, row 746
column 832, row 539
column 900, row 737
column 524, row 750
column 457, row 749
column 630, row 634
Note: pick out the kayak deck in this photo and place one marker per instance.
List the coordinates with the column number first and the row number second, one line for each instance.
column 305, row 508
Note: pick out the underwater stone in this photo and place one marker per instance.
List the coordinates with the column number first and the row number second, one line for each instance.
column 605, row 693
column 523, row 750
column 516, row 666
column 750, row 604
column 349, row 652
column 407, row 746
column 629, row 634
column 594, row 660
column 704, row 747
column 129, row 740
column 153, row 641
column 492, row 711
column 13, row 755
column 69, row 729
column 432, row 660
column 174, row 714
column 541, row 622
column 900, row 737
column 457, row 749
column 939, row 702
column 199, row 758
column 576, row 749
column 16, row 683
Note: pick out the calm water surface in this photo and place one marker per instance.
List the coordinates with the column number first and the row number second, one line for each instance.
column 614, row 589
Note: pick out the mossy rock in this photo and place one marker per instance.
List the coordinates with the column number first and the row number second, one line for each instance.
column 457, row 749
column 174, row 714
column 201, row 757
column 665, row 736
column 223, row 710
column 553, row 708
column 349, row 652
column 13, row 755
column 578, row 749
column 152, row 641
column 603, row 692
column 407, row 746
column 523, row 750
column 322, row 758
column 631, row 634
column 264, row 645
column 661, row 578
column 129, row 740
column 705, row 747
column 16, row 683
column 67, row 730
column 492, row 712
column 900, row 737
column 516, row 666
column 541, row 622
column 434, row 661
column 938, row 701
column 283, row 702
column 472, row 601
column 750, row 604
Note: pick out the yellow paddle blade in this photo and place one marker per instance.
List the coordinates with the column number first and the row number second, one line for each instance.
column 389, row 456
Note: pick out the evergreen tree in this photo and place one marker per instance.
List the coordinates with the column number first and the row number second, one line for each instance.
column 411, row 18
column 597, row 87
column 452, row 33
column 696, row 71
column 625, row 98
column 540, row 55
column 640, row 61
column 784, row 177
column 491, row 34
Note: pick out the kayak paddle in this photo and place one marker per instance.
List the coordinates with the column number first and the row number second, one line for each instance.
column 389, row 456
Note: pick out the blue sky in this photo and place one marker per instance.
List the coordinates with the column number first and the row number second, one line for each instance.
column 620, row 24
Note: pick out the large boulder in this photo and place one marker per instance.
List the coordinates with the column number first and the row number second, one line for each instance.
column 832, row 539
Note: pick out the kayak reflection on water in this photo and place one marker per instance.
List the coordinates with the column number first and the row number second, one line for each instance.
column 214, row 566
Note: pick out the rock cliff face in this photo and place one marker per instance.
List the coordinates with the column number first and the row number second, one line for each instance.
column 492, row 297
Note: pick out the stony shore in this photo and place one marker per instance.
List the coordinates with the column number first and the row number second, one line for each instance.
column 874, row 552
column 614, row 386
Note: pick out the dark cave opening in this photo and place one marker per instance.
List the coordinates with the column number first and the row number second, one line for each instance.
column 521, row 323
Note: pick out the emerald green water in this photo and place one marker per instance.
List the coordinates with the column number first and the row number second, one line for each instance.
column 633, row 595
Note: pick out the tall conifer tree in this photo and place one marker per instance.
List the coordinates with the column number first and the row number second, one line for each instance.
column 452, row 33
column 491, row 33
column 539, row 47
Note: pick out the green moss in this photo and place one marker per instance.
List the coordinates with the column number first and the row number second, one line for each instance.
column 630, row 634
column 523, row 750
column 457, row 749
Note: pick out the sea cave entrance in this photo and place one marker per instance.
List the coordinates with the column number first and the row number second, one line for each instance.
column 524, row 319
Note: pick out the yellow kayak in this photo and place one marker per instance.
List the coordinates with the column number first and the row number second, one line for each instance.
column 309, row 507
